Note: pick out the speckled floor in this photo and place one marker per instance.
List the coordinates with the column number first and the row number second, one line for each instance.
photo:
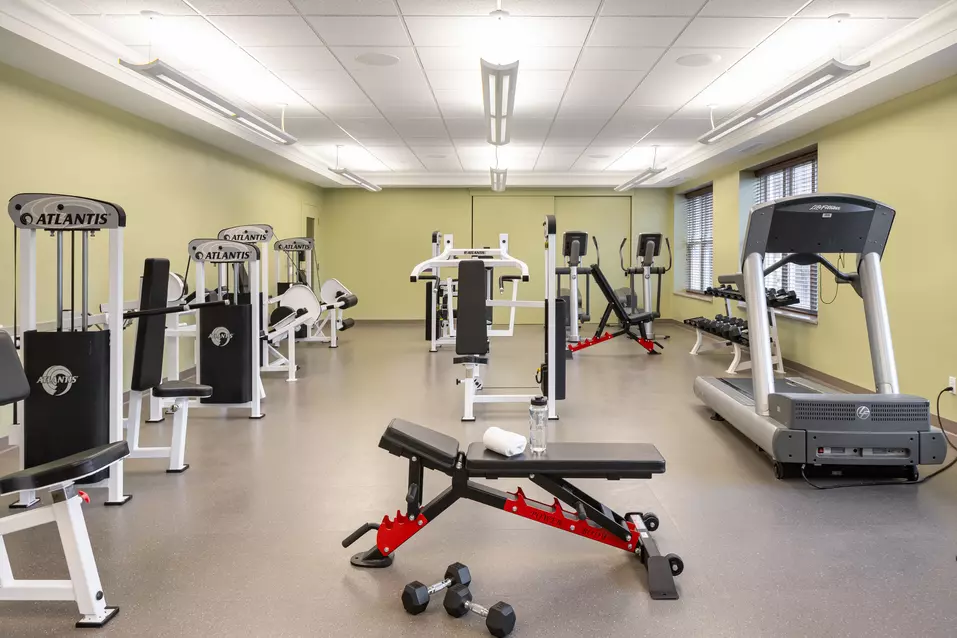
column 247, row 542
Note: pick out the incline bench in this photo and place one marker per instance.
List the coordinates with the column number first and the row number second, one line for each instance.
column 640, row 320
column 428, row 449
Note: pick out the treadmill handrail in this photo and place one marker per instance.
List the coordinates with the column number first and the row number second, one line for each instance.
column 806, row 259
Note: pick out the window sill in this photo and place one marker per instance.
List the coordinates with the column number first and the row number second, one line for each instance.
column 694, row 295
column 784, row 313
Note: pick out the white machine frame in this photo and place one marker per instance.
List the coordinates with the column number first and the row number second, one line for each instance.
column 114, row 228
column 83, row 586
column 472, row 384
column 258, row 235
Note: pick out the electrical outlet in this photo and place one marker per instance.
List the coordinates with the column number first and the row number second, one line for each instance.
column 952, row 382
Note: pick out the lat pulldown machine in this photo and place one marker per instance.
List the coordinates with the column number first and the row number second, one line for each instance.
column 551, row 471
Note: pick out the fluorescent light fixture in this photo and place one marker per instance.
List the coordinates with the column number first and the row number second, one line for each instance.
column 498, row 92
column 190, row 88
column 498, row 176
column 638, row 179
column 811, row 82
column 357, row 180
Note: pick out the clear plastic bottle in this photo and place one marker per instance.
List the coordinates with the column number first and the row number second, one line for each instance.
column 537, row 425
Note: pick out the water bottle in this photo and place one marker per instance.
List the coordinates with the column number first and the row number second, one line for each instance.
column 538, row 425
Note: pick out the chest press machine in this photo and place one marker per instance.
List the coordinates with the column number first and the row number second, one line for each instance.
column 551, row 471
column 472, row 330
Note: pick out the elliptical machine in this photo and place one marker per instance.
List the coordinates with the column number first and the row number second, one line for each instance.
column 649, row 247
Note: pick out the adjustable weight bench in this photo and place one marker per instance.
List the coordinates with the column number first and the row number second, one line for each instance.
column 628, row 321
column 57, row 478
column 588, row 517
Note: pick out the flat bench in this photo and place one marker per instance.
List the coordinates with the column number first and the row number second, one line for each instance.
column 427, row 449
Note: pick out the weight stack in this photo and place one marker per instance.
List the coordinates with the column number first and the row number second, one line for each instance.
column 224, row 352
column 68, row 410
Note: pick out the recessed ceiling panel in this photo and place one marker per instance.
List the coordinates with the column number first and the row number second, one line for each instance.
column 632, row 32
column 346, row 7
column 420, row 127
column 478, row 34
column 295, row 58
column 727, row 32
column 562, row 8
column 619, row 58
column 267, row 30
column 124, row 7
column 360, row 31
column 671, row 85
column 243, row 7
column 651, row 7
column 467, row 58
column 752, row 8
column 872, row 8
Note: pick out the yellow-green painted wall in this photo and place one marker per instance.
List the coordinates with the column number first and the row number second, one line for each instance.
column 371, row 241
column 173, row 188
column 901, row 153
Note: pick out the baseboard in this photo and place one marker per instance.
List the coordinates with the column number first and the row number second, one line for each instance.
column 834, row 382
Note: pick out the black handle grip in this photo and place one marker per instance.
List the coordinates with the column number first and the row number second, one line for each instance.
column 356, row 535
column 580, row 507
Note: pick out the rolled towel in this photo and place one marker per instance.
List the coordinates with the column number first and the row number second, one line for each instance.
column 504, row 442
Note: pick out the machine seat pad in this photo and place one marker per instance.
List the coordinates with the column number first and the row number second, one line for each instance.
column 433, row 449
column 70, row 468
column 180, row 389
column 471, row 358
column 641, row 317
column 610, row 461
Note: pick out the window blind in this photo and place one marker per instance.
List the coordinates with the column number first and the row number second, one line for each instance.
column 796, row 176
column 699, row 220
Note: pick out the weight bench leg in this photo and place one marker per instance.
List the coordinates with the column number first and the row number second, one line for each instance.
column 80, row 561
column 469, row 389
column 177, row 450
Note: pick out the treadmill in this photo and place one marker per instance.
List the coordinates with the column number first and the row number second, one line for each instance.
column 796, row 421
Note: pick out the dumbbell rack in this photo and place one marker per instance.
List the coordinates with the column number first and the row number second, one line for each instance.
column 739, row 348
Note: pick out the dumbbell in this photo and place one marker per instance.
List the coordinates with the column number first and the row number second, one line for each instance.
column 416, row 595
column 499, row 618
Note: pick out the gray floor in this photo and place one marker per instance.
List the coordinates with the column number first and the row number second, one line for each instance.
column 247, row 541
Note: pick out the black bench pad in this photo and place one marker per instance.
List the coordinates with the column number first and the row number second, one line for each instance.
column 570, row 460
column 433, row 449
column 178, row 389
column 70, row 468
column 470, row 358
column 641, row 317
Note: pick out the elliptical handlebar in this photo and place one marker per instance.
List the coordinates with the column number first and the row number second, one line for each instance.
column 597, row 252
column 621, row 256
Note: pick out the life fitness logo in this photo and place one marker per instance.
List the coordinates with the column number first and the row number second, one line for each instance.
column 863, row 412
column 57, row 380
column 220, row 336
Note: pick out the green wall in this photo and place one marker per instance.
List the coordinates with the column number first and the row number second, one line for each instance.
column 371, row 241
column 900, row 153
column 172, row 187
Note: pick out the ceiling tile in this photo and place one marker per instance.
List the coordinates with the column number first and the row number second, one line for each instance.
column 294, row 108
column 338, row 100
column 346, row 7
column 455, row 105
column 572, row 132
column 244, row 7
column 684, row 131
column 336, row 81
column 727, row 32
column 134, row 7
column 466, row 128
column 314, row 130
column 651, row 7
column 626, row 32
column 557, row 158
column 642, row 157
column 267, row 31
column 74, row 7
column 534, row 104
column 872, row 8
column 564, row 8
column 628, row 127
column 359, row 31
column 398, row 158
column 619, row 58
column 670, row 85
column 529, row 130
column 295, row 58
column 532, row 58
column 752, row 8
column 420, row 127
column 601, row 87
column 473, row 32
column 367, row 127
column 439, row 159
column 406, row 64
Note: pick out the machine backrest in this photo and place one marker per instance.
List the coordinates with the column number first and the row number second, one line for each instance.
column 13, row 381
column 151, row 329
column 471, row 329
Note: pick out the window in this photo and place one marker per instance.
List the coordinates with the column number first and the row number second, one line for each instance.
column 796, row 176
column 699, row 220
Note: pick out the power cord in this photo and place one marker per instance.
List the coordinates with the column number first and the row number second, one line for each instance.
column 925, row 479
column 837, row 289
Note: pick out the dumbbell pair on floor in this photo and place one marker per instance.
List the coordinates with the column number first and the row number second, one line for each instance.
column 499, row 618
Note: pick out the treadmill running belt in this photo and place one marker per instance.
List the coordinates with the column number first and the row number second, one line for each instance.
column 745, row 386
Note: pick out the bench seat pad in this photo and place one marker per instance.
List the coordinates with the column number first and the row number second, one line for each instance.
column 611, row 461
column 433, row 449
column 70, row 468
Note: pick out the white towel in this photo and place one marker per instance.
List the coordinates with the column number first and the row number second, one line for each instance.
column 504, row 442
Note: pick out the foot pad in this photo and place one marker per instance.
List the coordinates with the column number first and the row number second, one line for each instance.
column 180, row 470
column 96, row 624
